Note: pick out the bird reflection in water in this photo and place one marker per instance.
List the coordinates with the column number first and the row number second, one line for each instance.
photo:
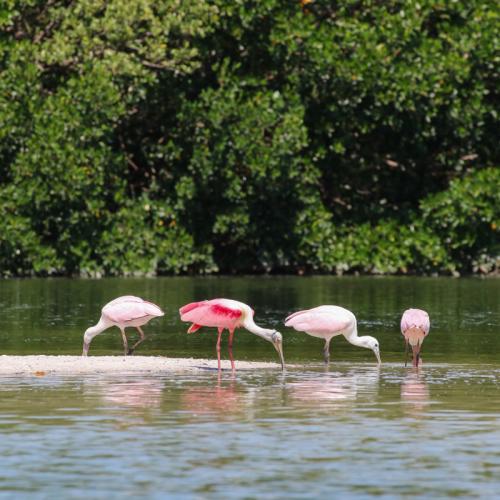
column 336, row 387
column 415, row 393
column 142, row 393
column 223, row 398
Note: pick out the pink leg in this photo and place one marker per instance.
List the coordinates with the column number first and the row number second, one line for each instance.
column 125, row 343
column 218, row 347
column 141, row 339
column 231, row 334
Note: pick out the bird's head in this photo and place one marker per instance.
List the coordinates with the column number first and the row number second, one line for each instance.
column 277, row 341
column 87, row 338
column 89, row 334
column 372, row 343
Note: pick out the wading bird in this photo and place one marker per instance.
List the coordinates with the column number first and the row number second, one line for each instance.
column 123, row 312
column 327, row 322
column 230, row 314
column 415, row 326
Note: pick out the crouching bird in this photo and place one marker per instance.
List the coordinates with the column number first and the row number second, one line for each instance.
column 123, row 312
column 230, row 314
column 415, row 326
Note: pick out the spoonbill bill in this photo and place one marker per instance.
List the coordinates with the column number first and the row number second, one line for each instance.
column 230, row 314
column 327, row 322
column 415, row 326
column 123, row 312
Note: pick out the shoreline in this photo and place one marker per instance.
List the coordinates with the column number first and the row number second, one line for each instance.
column 40, row 365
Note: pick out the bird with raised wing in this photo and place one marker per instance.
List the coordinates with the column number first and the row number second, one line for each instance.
column 123, row 312
column 228, row 314
column 415, row 326
column 327, row 322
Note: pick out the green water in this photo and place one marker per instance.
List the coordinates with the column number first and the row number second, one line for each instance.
column 353, row 430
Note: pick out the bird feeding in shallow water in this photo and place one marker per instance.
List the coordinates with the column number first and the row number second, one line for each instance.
column 327, row 322
column 415, row 326
column 230, row 314
column 123, row 312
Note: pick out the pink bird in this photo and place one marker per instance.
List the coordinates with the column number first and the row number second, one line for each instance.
column 415, row 326
column 123, row 312
column 230, row 314
column 329, row 321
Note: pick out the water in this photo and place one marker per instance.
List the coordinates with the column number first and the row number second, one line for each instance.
column 351, row 430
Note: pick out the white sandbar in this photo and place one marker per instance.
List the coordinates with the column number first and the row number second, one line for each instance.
column 70, row 365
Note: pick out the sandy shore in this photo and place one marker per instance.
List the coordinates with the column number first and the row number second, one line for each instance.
column 71, row 365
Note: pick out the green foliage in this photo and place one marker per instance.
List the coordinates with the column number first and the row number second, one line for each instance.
column 244, row 165
column 145, row 137
column 385, row 248
column 145, row 239
column 467, row 219
column 21, row 249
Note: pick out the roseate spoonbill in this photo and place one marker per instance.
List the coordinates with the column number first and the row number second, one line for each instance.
column 415, row 326
column 329, row 321
column 230, row 314
column 123, row 312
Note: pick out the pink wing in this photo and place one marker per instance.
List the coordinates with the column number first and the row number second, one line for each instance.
column 128, row 308
column 210, row 313
column 321, row 322
column 415, row 318
column 124, row 298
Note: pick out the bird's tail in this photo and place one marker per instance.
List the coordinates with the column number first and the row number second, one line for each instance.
column 288, row 320
column 188, row 307
column 194, row 327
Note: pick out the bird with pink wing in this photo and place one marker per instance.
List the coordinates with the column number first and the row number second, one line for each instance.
column 415, row 326
column 327, row 322
column 123, row 312
column 228, row 314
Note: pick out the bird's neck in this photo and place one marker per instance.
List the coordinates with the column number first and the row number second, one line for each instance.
column 264, row 333
column 352, row 337
column 92, row 331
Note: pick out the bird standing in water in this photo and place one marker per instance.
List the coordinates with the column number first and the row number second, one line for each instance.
column 230, row 314
column 123, row 312
column 415, row 326
column 329, row 321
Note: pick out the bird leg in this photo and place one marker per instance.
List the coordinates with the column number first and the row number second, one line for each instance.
column 142, row 339
column 125, row 343
column 218, row 347
column 326, row 351
column 416, row 354
column 231, row 334
column 414, row 336
column 406, row 352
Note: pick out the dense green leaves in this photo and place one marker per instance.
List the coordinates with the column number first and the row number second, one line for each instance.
column 247, row 136
column 467, row 219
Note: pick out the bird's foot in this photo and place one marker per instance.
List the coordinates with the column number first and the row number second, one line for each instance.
column 130, row 351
